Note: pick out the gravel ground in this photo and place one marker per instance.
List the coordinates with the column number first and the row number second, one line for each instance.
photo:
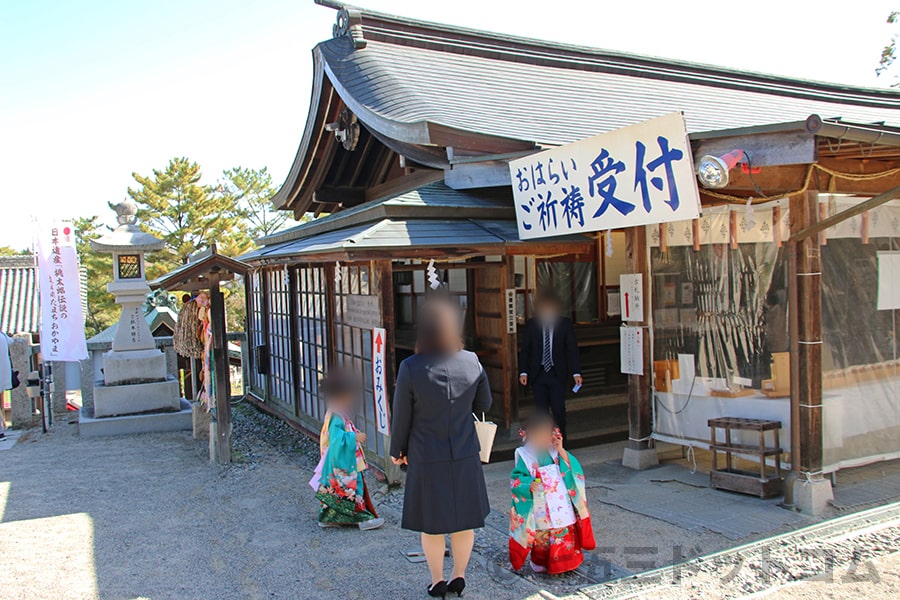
column 842, row 551
column 875, row 578
column 149, row 517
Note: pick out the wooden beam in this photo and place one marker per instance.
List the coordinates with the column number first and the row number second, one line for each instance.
column 478, row 175
column 637, row 260
column 441, row 135
column 816, row 226
column 806, row 337
column 220, row 362
column 790, row 178
column 343, row 195
column 764, row 150
column 361, row 156
column 403, row 184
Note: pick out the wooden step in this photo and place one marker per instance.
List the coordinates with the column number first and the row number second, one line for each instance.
column 745, row 449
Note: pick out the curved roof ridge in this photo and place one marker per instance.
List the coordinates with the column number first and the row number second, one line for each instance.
column 407, row 31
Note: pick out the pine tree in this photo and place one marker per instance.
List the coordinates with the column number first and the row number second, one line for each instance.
column 174, row 205
column 252, row 191
column 102, row 310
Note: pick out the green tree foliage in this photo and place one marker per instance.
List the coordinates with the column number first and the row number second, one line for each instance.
column 102, row 310
column 188, row 215
column 252, row 191
column 889, row 53
column 10, row 251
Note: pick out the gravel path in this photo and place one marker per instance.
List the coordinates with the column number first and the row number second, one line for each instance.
column 843, row 550
column 148, row 516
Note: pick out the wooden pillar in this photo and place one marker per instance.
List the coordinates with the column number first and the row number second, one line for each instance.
column 220, row 358
column 638, row 454
column 808, row 347
column 805, row 274
column 509, row 346
column 385, row 273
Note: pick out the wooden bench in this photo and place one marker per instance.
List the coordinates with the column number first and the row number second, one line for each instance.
column 758, row 484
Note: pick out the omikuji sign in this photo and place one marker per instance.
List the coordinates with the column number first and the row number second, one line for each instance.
column 636, row 175
column 379, row 380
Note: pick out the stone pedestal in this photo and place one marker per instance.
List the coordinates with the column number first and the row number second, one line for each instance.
column 135, row 366
column 812, row 497
column 130, row 424
column 639, row 459
column 138, row 398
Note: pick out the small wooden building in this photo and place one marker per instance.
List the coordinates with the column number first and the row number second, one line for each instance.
column 410, row 130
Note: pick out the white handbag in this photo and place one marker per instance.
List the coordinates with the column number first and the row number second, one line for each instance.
column 486, row 431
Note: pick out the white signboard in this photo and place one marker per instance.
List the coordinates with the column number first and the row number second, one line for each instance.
column 888, row 280
column 631, row 296
column 510, row 311
column 62, row 318
column 362, row 311
column 636, row 175
column 631, row 340
column 379, row 382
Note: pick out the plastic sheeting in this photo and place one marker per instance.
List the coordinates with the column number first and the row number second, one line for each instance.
column 859, row 355
column 576, row 285
column 721, row 312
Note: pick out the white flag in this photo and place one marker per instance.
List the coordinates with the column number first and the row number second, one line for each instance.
column 62, row 319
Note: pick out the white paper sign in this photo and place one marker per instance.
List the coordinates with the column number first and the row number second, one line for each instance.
column 685, row 380
column 510, row 311
column 362, row 311
column 636, row 175
column 888, row 280
column 379, row 381
column 631, row 341
column 631, row 296
column 62, row 318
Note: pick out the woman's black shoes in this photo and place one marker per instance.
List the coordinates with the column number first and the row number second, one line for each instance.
column 457, row 586
column 438, row 590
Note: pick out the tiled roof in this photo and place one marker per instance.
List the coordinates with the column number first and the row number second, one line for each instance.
column 411, row 73
column 403, row 233
column 20, row 310
column 429, row 200
column 158, row 317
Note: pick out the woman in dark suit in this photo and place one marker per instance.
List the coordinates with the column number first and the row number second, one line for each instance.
column 433, row 431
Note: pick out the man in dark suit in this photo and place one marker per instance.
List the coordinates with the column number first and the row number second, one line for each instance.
column 549, row 359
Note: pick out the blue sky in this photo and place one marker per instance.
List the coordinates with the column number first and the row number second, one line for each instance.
column 91, row 91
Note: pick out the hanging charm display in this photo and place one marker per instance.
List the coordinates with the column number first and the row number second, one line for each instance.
column 609, row 243
column 433, row 280
column 337, row 274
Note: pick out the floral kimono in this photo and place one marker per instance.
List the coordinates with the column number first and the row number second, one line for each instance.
column 338, row 480
column 550, row 520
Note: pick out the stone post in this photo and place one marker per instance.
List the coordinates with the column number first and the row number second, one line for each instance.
column 21, row 405
column 58, row 397
column 87, row 382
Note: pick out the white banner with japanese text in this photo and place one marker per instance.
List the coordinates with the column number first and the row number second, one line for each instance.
column 636, row 175
column 62, row 318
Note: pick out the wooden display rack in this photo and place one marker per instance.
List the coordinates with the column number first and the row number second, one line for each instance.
column 746, row 482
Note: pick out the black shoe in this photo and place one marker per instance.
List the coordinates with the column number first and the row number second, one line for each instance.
column 438, row 590
column 457, row 586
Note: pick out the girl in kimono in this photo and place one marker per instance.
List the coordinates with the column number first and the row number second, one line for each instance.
column 549, row 515
column 338, row 480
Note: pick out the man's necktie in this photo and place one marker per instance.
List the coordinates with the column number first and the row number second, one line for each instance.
column 547, row 359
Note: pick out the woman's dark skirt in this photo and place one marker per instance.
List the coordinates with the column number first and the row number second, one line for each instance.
column 445, row 497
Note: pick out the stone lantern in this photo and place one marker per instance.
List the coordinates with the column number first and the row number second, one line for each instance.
column 135, row 380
